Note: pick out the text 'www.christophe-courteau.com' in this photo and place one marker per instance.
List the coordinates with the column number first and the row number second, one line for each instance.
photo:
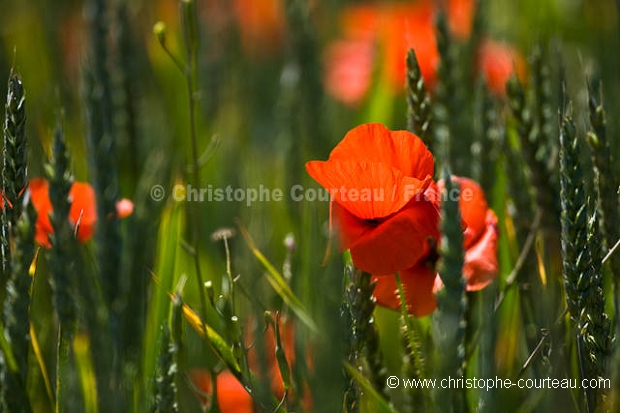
column 497, row 383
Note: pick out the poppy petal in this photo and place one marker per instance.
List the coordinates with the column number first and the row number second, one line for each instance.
column 398, row 242
column 367, row 190
column 349, row 227
column 39, row 196
column 418, row 287
column 481, row 259
column 373, row 142
column 473, row 207
column 83, row 213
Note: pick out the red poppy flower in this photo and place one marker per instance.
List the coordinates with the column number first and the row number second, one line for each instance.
column 231, row 395
column 82, row 215
column 261, row 25
column 497, row 61
column 480, row 267
column 377, row 179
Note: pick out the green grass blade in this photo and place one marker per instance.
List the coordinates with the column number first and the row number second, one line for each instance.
column 377, row 403
column 278, row 283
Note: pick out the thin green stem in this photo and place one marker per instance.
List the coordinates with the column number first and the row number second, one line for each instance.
column 64, row 397
column 188, row 15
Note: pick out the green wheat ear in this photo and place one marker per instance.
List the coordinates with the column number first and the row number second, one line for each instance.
column 581, row 261
column 17, row 226
column 449, row 323
column 531, row 144
column 13, row 165
column 363, row 350
column 446, row 88
column 14, row 168
column 13, row 392
column 101, row 145
column 606, row 183
column 165, row 386
column 418, row 102
column 61, row 258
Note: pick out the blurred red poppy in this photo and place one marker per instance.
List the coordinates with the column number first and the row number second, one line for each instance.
column 385, row 30
column 82, row 215
column 262, row 26
column 231, row 395
column 460, row 15
column 497, row 61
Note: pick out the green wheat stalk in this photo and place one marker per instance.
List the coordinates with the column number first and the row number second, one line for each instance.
column 582, row 265
column 61, row 263
column 413, row 360
column 607, row 201
column 442, row 107
column 530, row 143
column 101, row 142
column 12, row 383
column 485, row 148
column 419, row 119
column 449, row 323
column 13, row 392
column 13, row 165
column 164, row 400
column 363, row 348
column 607, row 185
column 543, row 114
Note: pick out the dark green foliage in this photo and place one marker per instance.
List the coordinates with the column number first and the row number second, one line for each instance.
column 449, row 323
column 418, row 102
column 582, row 265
